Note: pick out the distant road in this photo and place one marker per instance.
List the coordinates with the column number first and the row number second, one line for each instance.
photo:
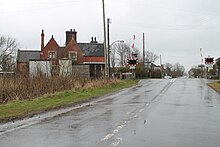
column 164, row 112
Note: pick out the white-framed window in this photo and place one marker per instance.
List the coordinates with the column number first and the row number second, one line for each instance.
column 73, row 55
column 52, row 55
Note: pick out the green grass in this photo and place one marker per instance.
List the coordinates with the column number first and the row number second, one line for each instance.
column 19, row 109
column 215, row 86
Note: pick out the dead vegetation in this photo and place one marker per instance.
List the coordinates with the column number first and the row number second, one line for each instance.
column 19, row 88
column 215, row 86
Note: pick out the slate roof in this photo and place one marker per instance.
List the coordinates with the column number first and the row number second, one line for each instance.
column 92, row 49
column 26, row 55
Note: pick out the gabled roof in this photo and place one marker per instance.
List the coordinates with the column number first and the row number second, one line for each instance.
column 52, row 41
column 26, row 55
column 92, row 49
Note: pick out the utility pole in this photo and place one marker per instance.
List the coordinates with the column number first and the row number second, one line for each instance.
column 108, row 47
column 104, row 27
column 143, row 49
column 161, row 68
column 201, row 63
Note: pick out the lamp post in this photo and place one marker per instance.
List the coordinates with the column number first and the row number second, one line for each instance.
column 109, row 48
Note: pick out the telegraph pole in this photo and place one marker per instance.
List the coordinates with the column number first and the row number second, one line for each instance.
column 104, row 27
column 143, row 49
column 161, row 68
column 201, row 63
column 108, row 47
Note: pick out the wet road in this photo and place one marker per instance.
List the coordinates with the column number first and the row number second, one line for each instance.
column 174, row 112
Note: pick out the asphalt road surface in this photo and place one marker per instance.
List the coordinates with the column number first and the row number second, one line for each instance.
column 156, row 113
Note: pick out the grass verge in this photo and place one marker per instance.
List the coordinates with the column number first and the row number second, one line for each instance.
column 24, row 108
column 215, row 86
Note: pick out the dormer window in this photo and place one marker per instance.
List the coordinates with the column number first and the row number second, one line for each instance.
column 52, row 55
column 73, row 55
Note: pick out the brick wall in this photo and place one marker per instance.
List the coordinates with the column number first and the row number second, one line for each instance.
column 50, row 47
column 22, row 68
column 72, row 46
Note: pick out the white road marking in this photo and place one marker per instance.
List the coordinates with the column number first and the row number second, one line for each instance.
column 118, row 128
column 134, row 116
column 173, row 80
column 130, row 112
column 116, row 143
column 108, row 136
column 114, row 131
column 141, row 110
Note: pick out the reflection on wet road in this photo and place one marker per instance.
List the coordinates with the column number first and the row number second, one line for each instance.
column 176, row 112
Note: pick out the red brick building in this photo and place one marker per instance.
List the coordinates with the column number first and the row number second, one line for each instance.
column 91, row 54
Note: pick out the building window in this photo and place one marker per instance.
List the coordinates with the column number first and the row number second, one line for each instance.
column 52, row 55
column 73, row 55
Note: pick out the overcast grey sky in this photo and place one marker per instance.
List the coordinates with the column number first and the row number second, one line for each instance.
column 176, row 29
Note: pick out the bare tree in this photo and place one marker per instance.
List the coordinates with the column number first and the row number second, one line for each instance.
column 195, row 72
column 178, row 70
column 168, row 68
column 113, row 56
column 8, row 48
column 122, row 52
column 151, row 56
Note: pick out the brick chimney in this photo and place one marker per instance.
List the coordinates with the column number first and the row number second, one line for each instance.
column 93, row 40
column 71, row 34
column 42, row 40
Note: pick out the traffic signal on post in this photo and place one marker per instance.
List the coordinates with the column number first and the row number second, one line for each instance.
column 132, row 62
column 209, row 60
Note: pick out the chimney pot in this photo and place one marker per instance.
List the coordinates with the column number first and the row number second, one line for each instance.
column 71, row 35
column 42, row 39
